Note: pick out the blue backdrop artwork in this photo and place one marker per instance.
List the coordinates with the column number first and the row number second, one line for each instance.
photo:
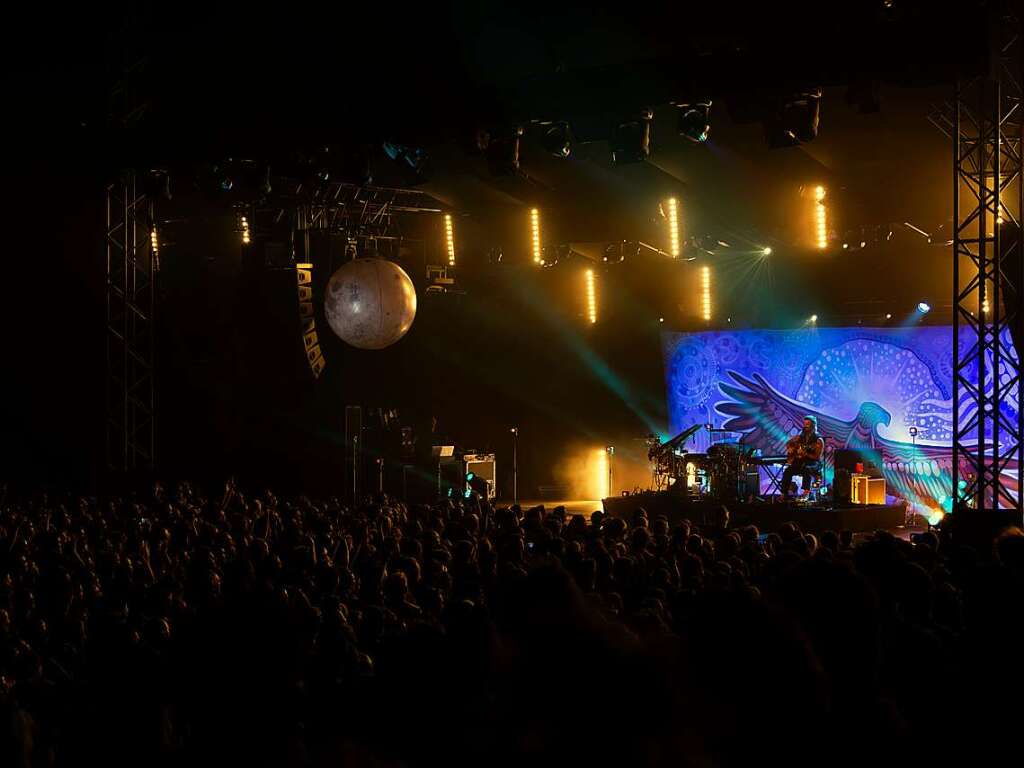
column 867, row 386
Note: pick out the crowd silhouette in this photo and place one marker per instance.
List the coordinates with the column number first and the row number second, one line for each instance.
column 175, row 628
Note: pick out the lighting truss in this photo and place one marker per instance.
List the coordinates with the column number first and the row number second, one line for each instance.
column 131, row 292
column 988, row 198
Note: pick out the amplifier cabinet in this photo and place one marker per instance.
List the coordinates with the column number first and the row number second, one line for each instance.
column 868, row 490
column 484, row 466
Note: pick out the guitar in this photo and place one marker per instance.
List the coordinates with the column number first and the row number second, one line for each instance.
column 797, row 451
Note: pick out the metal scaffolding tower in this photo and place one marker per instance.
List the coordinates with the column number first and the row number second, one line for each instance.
column 132, row 263
column 988, row 200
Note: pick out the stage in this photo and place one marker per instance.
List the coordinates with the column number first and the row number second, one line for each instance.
column 767, row 516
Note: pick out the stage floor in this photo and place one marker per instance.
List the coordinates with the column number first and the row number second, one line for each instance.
column 861, row 520
column 767, row 516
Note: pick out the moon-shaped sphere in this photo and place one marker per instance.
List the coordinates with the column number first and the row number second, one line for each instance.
column 370, row 303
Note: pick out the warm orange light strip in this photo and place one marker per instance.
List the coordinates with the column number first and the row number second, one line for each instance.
column 820, row 218
column 673, row 227
column 601, row 472
column 591, row 296
column 535, row 232
column 705, row 282
column 449, row 239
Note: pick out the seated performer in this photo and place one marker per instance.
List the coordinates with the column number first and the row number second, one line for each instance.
column 803, row 455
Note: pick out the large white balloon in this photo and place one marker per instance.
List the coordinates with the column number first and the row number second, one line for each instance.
column 370, row 303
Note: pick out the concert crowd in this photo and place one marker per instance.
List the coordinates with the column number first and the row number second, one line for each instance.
column 176, row 628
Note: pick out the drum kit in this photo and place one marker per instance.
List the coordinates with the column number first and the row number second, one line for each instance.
column 728, row 471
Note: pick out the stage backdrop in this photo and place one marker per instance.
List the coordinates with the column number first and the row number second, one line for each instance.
column 866, row 386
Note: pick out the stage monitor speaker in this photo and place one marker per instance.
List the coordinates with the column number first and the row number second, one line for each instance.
column 749, row 485
column 482, row 465
column 842, row 486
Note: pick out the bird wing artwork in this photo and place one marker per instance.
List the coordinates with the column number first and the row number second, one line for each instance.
column 921, row 474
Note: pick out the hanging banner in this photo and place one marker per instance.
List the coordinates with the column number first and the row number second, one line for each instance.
column 307, row 319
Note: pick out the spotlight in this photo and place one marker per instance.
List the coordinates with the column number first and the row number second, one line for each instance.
column 766, row 251
column 846, row 246
column 813, row 319
column 888, row 315
column 550, row 256
column 154, row 241
column 863, row 244
column 795, row 121
column 912, row 431
column 503, row 153
column 246, row 232
column 413, row 158
column 924, row 308
column 695, row 121
column 802, row 114
column 615, row 253
column 557, row 140
column 631, row 139
column 984, row 306
column 661, row 319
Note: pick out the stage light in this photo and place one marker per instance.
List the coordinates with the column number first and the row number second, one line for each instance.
column 449, row 239
column 766, row 251
column 813, row 319
column 846, row 246
column 588, row 277
column 984, row 306
column 672, row 214
column 154, row 241
column 888, row 315
column 246, row 235
column 863, row 244
column 661, row 319
column 631, row 140
column 503, row 153
column 535, row 235
column 820, row 219
column 695, row 121
column 936, row 517
column 412, row 157
column 802, row 114
column 557, row 140
column 705, row 284
column 600, row 479
column 924, row 308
